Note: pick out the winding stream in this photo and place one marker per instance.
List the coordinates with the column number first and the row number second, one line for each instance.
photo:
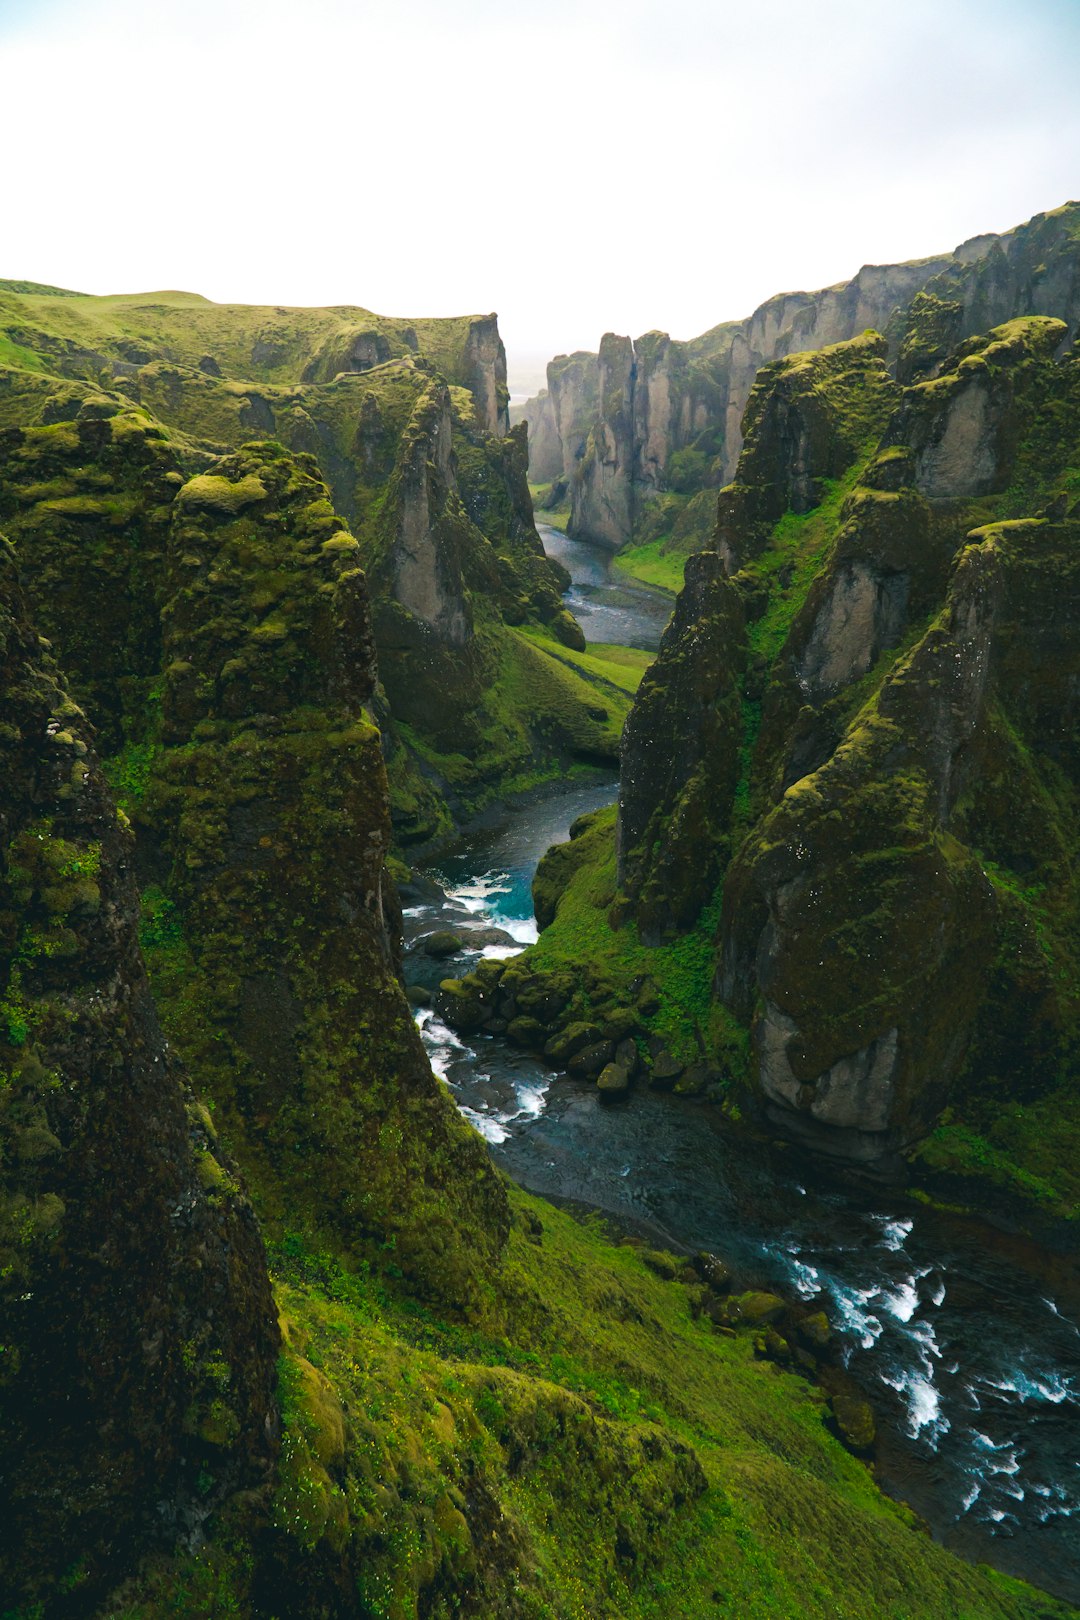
column 966, row 1342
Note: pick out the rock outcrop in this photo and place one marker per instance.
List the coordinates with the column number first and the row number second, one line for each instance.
column 270, row 798
column 248, row 760
column 847, row 788
column 408, row 423
column 545, row 446
column 680, row 429
column 808, row 419
column 886, row 905
column 137, row 1383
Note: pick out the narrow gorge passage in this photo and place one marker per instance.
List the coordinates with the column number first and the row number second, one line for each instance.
column 965, row 1342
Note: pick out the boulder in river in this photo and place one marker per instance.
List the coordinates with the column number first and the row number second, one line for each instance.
column 753, row 1309
column 814, row 1331
column 854, row 1422
column 591, row 1059
column 665, row 1070
column 443, row 943
column 626, row 1056
column 525, row 1031
column 571, row 1040
column 474, row 938
column 613, row 1082
column 463, row 1004
column 713, row 1271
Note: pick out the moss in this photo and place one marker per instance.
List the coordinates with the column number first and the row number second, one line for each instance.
column 212, row 493
column 654, row 564
column 273, row 971
column 99, row 1153
column 591, row 1449
column 92, row 561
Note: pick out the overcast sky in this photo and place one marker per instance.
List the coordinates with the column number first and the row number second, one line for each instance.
column 577, row 166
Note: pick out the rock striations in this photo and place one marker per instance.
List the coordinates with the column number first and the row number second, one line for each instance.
column 840, row 872
column 642, row 427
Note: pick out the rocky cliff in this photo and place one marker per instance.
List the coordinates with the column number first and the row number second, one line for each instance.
column 136, row 1389
column 481, row 1406
column 408, row 423
column 242, row 736
column 90, row 338
column 673, row 426
column 839, row 874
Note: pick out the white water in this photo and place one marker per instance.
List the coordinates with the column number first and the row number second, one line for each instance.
column 978, row 1373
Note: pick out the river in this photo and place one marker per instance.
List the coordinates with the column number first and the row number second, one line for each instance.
column 966, row 1342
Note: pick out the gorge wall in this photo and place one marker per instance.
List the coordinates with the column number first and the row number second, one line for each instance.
column 139, row 1337
column 408, row 424
column 630, row 435
column 277, row 1338
column 838, row 884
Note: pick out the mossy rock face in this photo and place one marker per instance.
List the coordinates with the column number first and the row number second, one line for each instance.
column 93, row 561
column 407, row 421
column 681, row 757
column 854, row 1422
column 269, row 798
column 808, row 417
column 963, row 429
column 828, row 833
column 133, row 1283
column 882, row 819
column 221, row 495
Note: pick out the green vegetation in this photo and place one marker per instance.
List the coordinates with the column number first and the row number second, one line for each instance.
column 486, row 1406
column 654, row 564
column 797, row 551
column 621, row 667
column 592, row 1450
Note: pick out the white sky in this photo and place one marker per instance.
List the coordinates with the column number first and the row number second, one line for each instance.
column 578, row 167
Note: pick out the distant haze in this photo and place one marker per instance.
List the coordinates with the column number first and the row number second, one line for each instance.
column 575, row 165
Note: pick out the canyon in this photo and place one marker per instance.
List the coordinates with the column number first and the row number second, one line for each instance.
column 279, row 633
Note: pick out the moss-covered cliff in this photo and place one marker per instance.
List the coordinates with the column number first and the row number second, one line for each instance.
column 485, row 1408
column 634, row 456
column 138, row 1338
column 848, row 794
column 239, row 689
column 407, row 421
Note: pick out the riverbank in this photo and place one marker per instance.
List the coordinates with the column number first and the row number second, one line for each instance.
column 964, row 1341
